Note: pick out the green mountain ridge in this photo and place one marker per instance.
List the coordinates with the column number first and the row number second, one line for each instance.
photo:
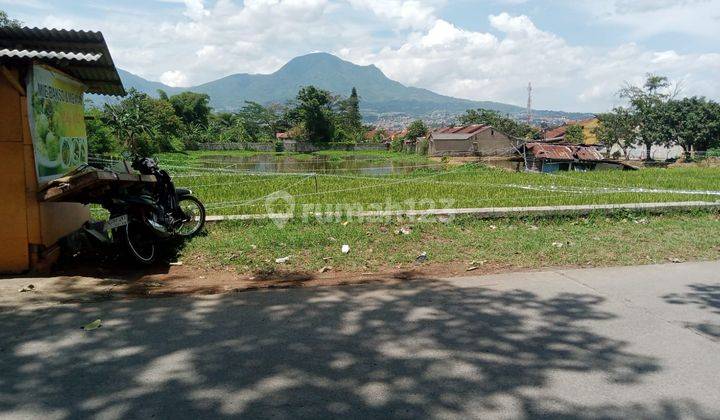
column 379, row 94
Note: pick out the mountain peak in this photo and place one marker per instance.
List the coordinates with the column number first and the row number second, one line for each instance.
column 322, row 61
column 379, row 94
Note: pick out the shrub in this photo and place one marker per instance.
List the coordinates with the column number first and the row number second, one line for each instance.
column 423, row 147
column 396, row 145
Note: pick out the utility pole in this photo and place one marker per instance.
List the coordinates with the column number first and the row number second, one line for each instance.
column 529, row 105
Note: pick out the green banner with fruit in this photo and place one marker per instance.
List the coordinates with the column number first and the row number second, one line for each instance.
column 57, row 123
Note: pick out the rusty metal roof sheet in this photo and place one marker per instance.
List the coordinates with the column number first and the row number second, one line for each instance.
column 564, row 152
column 551, row 151
column 81, row 54
column 588, row 153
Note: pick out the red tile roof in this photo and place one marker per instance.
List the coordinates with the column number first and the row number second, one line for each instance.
column 556, row 132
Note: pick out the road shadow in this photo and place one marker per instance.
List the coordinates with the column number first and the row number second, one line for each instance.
column 703, row 296
column 420, row 349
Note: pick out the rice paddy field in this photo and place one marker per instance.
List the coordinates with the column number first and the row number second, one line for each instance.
column 232, row 183
column 240, row 183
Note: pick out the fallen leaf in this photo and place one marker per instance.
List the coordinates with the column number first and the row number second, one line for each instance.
column 28, row 288
column 92, row 325
column 325, row 269
column 282, row 260
column 472, row 268
column 345, row 223
column 557, row 244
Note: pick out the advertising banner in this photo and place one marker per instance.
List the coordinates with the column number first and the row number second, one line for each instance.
column 57, row 123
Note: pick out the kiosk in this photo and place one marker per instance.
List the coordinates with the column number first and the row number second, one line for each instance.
column 43, row 76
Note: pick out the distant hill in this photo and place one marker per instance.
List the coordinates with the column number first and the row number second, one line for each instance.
column 379, row 95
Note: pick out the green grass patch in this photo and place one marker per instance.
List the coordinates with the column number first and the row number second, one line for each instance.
column 596, row 240
column 440, row 185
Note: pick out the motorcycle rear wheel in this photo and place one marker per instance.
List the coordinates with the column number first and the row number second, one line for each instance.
column 195, row 211
column 140, row 246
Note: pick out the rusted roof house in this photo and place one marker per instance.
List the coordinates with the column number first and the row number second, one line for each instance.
column 546, row 157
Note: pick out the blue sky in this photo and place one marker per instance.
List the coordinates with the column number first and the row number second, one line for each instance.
column 576, row 53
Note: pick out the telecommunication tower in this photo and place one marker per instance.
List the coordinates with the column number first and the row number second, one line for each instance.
column 529, row 104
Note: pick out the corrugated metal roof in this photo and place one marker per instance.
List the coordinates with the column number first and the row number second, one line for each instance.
column 588, row 153
column 450, row 136
column 564, row 152
column 466, row 129
column 459, row 133
column 81, row 54
column 49, row 54
column 551, row 151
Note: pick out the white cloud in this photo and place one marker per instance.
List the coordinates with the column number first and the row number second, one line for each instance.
column 403, row 13
column 194, row 41
column 195, row 9
column 645, row 18
column 174, row 78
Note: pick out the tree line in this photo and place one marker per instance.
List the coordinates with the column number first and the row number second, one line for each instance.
column 147, row 125
column 655, row 116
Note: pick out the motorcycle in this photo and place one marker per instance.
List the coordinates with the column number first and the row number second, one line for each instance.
column 141, row 217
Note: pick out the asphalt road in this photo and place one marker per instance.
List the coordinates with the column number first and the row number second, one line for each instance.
column 640, row 342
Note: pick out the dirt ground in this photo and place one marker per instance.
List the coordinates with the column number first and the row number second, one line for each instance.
column 106, row 283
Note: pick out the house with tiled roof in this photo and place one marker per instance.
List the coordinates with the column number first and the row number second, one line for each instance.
column 588, row 126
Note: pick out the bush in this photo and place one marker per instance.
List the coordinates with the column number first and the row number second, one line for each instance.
column 423, row 147
column 713, row 153
column 396, row 145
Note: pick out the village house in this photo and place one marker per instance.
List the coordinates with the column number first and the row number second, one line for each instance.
column 470, row 140
column 588, row 127
column 550, row 157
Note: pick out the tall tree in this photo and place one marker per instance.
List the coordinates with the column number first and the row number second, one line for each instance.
column 617, row 128
column 693, row 122
column 192, row 108
column 143, row 125
column 499, row 122
column 648, row 104
column 350, row 112
column 315, row 110
column 260, row 123
column 416, row 129
column 574, row 134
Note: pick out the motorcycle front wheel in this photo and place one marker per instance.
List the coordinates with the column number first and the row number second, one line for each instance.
column 139, row 243
column 194, row 212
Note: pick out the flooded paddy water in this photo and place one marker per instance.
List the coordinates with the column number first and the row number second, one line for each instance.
column 316, row 163
column 331, row 164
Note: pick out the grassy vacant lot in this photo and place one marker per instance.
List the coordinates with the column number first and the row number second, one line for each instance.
column 598, row 240
column 430, row 185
